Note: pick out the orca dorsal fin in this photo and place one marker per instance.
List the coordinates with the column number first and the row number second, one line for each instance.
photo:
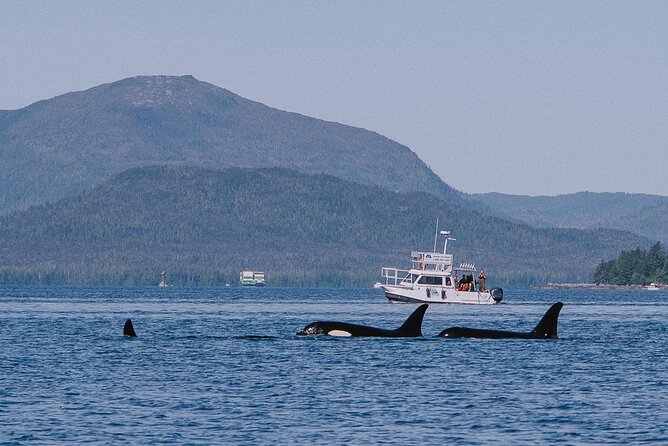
column 129, row 330
column 547, row 327
column 413, row 325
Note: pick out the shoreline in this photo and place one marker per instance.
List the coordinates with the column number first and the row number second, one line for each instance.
column 596, row 286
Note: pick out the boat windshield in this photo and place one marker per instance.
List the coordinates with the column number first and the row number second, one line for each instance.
column 430, row 280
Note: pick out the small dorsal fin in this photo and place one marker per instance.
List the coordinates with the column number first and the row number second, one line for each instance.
column 547, row 327
column 413, row 325
column 128, row 329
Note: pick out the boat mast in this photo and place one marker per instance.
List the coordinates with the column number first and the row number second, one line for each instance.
column 435, row 235
column 445, row 243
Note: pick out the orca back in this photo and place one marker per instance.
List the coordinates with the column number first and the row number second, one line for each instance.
column 412, row 327
column 547, row 327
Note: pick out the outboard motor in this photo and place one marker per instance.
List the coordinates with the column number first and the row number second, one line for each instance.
column 497, row 294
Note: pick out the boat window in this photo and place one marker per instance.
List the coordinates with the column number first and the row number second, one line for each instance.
column 430, row 280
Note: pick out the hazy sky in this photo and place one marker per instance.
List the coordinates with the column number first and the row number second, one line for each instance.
column 522, row 97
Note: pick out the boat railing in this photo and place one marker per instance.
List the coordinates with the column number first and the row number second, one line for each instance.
column 466, row 267
column 396, row 276
column 431, row 260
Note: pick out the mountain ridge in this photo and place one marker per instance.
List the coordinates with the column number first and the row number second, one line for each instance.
column 642, row 214
column 61, row 146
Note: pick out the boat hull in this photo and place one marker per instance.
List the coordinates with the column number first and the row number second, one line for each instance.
column 437, row 295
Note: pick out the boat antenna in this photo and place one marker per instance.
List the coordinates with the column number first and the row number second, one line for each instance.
column 447, row 237
column 435, row 235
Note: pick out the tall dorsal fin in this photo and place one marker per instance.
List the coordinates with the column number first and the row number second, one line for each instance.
column 413, row 325
column 547, row 327
column 128, row 329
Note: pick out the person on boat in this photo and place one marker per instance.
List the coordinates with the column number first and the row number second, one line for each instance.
column 482, row 278
column 464, row 283
column 456, row 280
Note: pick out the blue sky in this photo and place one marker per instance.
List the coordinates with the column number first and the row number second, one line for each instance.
column 522, row 97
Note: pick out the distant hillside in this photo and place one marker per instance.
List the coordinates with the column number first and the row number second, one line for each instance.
column 650, row 221
column 205, row 225
column 645, row 215
column 61, row 146
column 635, row 267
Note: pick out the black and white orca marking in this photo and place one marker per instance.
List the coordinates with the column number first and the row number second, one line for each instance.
column 546, row 329
column 411, row 328
column 129, row 330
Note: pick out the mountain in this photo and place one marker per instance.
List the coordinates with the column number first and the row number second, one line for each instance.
column 205, row 225
column 642, row 214
column 650, row 222
column 62, row 146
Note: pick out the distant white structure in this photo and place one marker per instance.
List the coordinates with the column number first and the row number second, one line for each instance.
column 251, row 278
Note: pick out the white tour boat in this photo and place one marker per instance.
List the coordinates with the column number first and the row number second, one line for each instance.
column 431, row 280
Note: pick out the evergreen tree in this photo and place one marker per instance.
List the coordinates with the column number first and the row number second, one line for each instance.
column 635, row 267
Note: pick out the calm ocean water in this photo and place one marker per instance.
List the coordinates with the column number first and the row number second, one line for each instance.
column 197, row 374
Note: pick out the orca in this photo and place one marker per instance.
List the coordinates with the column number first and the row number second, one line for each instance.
column 129, row 330
column 411, row 328
column 546, row 329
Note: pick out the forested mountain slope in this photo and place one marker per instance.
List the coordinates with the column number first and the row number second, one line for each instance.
column 642, row 214
column 61, row 146
column 205, row 225
column 650, row 221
